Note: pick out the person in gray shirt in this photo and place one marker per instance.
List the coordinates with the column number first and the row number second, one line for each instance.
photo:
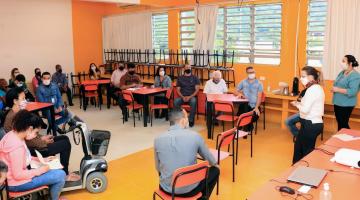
column 179, row 147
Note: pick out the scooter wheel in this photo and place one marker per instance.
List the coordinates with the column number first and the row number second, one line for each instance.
column 96, row 182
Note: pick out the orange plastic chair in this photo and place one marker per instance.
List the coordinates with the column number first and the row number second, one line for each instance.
column 225, row 139
column 244, row 120
column 133, row 105
column 154, row 107
column 91, row 92
column 183, row 177
column 262, row 110
column 227, row 110
column 42, row 191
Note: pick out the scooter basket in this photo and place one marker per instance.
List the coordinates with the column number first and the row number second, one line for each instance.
column 99, row 142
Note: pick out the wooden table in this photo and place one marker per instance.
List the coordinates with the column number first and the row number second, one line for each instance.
column 145, row 93
column 210, row 98
column 344, row 181
column 100, row 83
column 42, row 106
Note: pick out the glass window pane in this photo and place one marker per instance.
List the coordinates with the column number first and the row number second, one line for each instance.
column 160, row 31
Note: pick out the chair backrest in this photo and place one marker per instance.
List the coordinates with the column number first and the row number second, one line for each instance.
column 223, row 106
column 189, row 175
column 169, row 93
column 245, row 119
column 91, row 88
column 127, row 95
column 226, row 138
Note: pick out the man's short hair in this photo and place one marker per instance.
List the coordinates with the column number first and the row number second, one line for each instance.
column 131, row 65
column 250, row 67
column 45, row 73
column 20, row 78
column 175, row 115
column 57, row 66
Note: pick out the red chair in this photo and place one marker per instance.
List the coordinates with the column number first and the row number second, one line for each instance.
column 262, row 110
column 42, row 192
column 183, row 177
column 225, row 139
column 244, row 121
column 227, row 114
column 91, row 92
column 133, row 105
column 154, row 107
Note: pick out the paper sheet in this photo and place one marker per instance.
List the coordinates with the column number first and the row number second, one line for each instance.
column 346, row 137
column 53, row 164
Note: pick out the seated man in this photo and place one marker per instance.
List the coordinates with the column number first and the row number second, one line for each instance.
column 251, row 89
column 61, row 81
column 46, row 144
column 179, row 147
column 216, row 85
column 49, row 92
column 20, row 82
column 116, row 76
column 187, row 87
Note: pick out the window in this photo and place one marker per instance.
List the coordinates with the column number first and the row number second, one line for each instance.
column 253, row 32
column 187, row 29
column 160, row 31
column 316, row 32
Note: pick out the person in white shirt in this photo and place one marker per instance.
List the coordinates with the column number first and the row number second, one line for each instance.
column 119, row 71
column 311, row 108
column 216, row 85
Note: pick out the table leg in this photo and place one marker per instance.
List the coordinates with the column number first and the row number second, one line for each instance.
column 100, row 94
column 83, row 99
column 209, row 114
column 146, row 109
column 53, row 125
column 108, row 95
column 284, row 112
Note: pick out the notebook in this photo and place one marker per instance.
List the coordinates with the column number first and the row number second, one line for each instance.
column 307, row 176
column 53, row 164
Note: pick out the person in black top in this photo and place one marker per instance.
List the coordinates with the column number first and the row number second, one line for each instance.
column 187, row 87
column 20, row 82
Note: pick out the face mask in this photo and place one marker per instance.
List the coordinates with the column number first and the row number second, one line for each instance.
column 38, row 73
column 251, row 76
column 216, row 81
column 131, row 72
column 19, row 84
column 343, row 65
column 46, row 82
column 93, row 68
column 304, row 80
column 121, row 68
column 59, row 70
column 162, row 73
column 23, row 104
column 187, row 71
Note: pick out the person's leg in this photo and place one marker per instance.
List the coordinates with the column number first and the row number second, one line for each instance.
column 312, row 131
column 64, row 117
column 243, row 108
column 164, row 112
column 61, row 145
column 338, row 116
column 193, row 106
column 291, row 124
column 178, row 102
column 298, row 151
column 342, row 115
column 69, row 96
column 347, row 114
column 55, row 179
column 157, row 100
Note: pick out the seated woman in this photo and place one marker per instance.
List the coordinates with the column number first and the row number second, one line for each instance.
column 16, row 155
column 47, row 144
column 164, row 81
column 94, row 72
column 36, row 80
column 14, row 72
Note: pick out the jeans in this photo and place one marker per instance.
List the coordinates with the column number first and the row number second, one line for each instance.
column 65, row 117
column 291, row 124
column 193, row 104
column 55, row 179
column 342, row 115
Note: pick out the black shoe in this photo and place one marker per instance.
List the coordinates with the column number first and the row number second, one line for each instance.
column 71, row 104
column 245, row 137
column 191, row 124
column 43, row 125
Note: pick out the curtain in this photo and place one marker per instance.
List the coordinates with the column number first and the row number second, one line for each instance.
column 205, row 31
column 342, row 35
column 129, row 31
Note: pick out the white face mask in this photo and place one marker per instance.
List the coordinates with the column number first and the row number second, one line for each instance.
column 162, row 73
column 23, row 104
column 304, row 80
column 19, row 84
column 93, row 68
column 343, row 65
column 251, row 76
column 46, row 82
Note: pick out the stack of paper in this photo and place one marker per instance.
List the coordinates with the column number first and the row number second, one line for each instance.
column 346, row 137
column 53, row 164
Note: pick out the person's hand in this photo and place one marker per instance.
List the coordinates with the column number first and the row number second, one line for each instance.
column 48, row 139
column 65, row 88
column 240, row 96
column 49, row 159
column 257, row 111
column 58, row 110
column 186, row 99
column 294, row 103
column 133, row 85
column 45, row 168
column 335, row 89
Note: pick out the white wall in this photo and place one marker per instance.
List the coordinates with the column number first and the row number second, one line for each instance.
column 35, row 33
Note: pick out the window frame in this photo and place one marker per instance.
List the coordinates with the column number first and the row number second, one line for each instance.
column 165, row 33
column 181, row 32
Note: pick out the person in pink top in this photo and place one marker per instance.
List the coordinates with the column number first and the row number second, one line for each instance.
column 15, row 154
column 36, row 80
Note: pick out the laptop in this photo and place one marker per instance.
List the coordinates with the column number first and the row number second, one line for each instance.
column 307, row 176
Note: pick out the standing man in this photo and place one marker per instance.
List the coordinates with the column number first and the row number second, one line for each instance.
column 179, row 147
column 116, row 76
column 61, row 81
column 187, row 87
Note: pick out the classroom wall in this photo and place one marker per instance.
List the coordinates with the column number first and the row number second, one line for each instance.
column 35, row 33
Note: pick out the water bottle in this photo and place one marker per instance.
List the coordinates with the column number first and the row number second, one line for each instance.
column 325, row 193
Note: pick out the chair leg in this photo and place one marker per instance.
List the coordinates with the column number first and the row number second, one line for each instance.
column 264, row 118
column 223, row 125
column 133, row 112
column 217, row 187
column 237, row 149
column 233, row 161
column 151, row 116
column 251, row 144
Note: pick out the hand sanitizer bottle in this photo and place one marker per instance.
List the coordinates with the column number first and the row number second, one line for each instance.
column 325, row 194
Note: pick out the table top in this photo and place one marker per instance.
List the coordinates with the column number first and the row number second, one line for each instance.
column 148, row 91
column 338, row 175
column 224, row 97
column 335, row 142
column 95, row 82
column 31, row 106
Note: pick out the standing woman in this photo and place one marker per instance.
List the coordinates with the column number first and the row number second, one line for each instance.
column 346, row 88
column 311, row 108
column 163, row 81
column 14, row 73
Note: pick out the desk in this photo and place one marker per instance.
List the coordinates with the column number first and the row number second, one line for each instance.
column 145, row 93
column 39, row 106
column 342, row 184
column 100, row 83
column 210, row 98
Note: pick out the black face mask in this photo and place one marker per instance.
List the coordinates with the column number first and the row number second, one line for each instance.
column 187, row 71
column 121, row 68
column 216, row 82
column 38, row 73
column 60, row 71
column 131, row 72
